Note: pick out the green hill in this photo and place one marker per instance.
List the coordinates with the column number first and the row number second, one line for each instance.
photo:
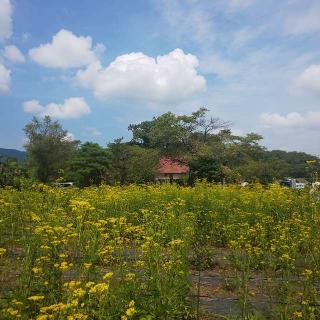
column 13, row 153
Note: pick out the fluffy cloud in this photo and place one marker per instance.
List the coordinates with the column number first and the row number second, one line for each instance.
column 4, row 78
column 5, row 19
column 66, row 50
column 13, row 54
column 71, row 108
column 165, row 79
column 32, row 106
column 310, row 78
column 293, row 119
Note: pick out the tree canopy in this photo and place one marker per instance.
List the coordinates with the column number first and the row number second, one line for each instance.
column 89, row 165
column 49, row 148
column 205, row 143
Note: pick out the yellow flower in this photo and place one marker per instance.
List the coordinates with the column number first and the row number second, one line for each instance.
column 2, row 251
column 74, row 303
column 16, row 302
column 307, row 272
column 89, row 284
column 107, row 276
column 37, row 270
column 35, row 217
column 13, row 312
column 130, row 276
column 72, row 284
column 99, row 288
column 233, row 244
column 176, row 242
column 285, row 257
column 139, row 264
column 87, row 265
column 79, row 292
column 130, row 312
column 63, row 266
column 298, row 314
column 36, row 298
column 54, row 308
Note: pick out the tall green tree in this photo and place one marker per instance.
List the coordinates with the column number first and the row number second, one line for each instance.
column 119, row 154
column 131, row 163
column 142, row 164
column 49, row 148
column 206, row 167
column 89, row 165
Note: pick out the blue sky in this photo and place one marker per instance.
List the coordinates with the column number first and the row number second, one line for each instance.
column 97, row 66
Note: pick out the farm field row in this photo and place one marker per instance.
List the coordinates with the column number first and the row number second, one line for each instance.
column 159, row 252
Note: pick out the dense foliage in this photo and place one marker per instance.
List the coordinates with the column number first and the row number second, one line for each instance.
column 12, row 173
column 88, row 165
column 211, row 150
column 48, row 148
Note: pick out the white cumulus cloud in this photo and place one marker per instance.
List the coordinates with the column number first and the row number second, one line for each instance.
column 71, row 108
column 32, row 106
column 5, row 78
column 13, row 54
column 66, row 50
column 165, row 79
column 310, row 78
column 293, row 119
column 5, row 19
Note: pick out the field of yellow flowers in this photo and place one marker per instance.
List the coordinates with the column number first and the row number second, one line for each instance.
column 159, row 252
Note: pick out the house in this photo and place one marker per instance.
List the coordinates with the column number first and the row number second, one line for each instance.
column 170, row 170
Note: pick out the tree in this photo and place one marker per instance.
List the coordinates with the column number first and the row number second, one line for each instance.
column 131, row 163
column 174, row 134
column 11, row 172
column 206, row 167
column 119, row 154
column 165, row 133
column 296, row 162
column 89, row 165
column 141, row 164
column 49, row 148
column 207, row 126
column 241, row 149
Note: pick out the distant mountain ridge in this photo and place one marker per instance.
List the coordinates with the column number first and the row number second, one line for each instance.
column 13, row 153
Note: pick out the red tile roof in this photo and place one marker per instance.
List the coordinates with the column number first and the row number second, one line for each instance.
column 168, row 165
